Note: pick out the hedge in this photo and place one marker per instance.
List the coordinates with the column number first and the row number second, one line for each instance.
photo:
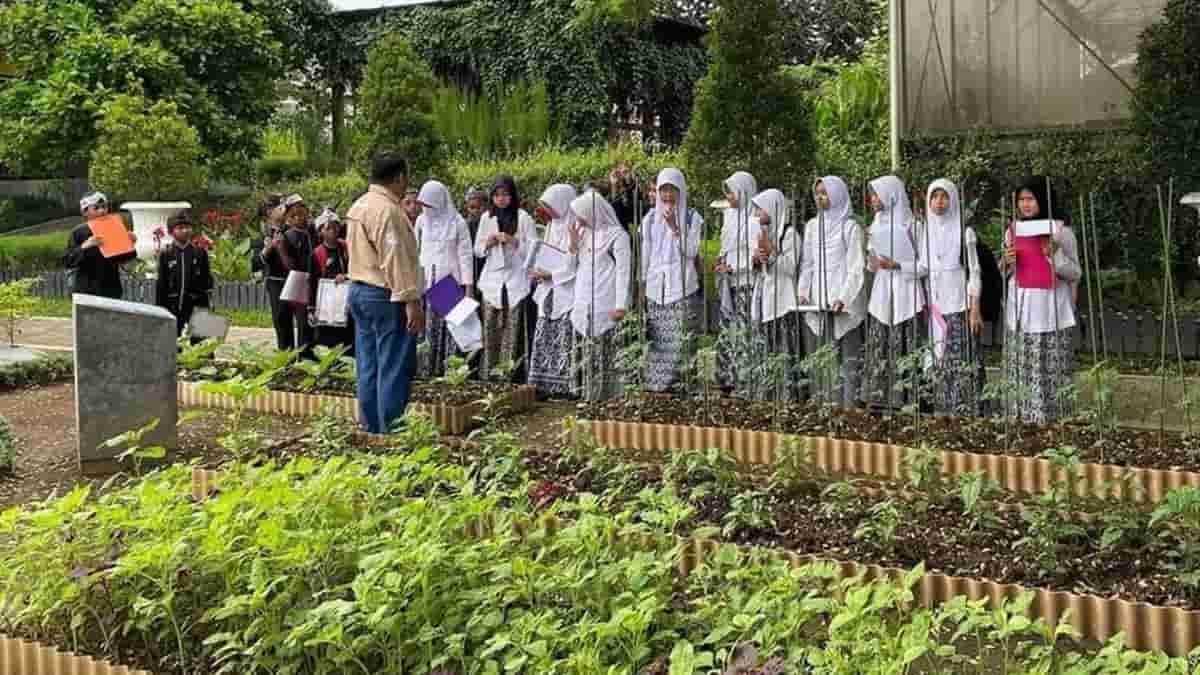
column 33, row 252
column 46, row 370
column 23, row 211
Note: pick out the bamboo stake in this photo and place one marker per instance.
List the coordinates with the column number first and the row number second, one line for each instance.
column 1099, row 286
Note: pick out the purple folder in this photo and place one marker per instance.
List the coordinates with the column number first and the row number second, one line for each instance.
column 444, row 295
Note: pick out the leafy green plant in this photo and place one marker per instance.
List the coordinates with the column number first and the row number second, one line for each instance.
column 713, row 470
column 978, row 492
column 838, row 498
column 331, row 366
column 241, row 391
column 229, row 258
column 329, row 433
column 134, row 442
column 749, row 511
column 458, row 371
column 664, row 510
column 1178, row 518
column 17, row 304
column 197, row 357
column 505, row 369
column 8, row 446
column 1102, row 378
column 880, row 528
column 795, row 468
column 822, row 375
column 147, row 151
column 923, row 473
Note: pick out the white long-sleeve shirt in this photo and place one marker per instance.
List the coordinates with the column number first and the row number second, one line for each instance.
column 673, row 277
column 775, row 291
column 836, row 274
column 612, row 273
column 949, row 283
column 562, row 280
column 446, row 251
column 739, row 242
column 496, row 275
column 1037, row 306
column 897, row 295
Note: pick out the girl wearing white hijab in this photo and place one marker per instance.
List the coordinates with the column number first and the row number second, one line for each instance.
column 897, row 295
column 601, row 259
column 948, row 253
column 735, row 270
column 832, row 271
column 550, row 363
column 670, row 248
column 445, row 250
column 777, row 257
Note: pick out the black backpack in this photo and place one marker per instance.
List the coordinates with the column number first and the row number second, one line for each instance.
column 991, row 293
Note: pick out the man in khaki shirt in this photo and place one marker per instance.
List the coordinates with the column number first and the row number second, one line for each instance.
column 385, row 295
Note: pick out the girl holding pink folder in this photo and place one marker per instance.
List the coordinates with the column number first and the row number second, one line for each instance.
column 948, row 252
column 1041, row 262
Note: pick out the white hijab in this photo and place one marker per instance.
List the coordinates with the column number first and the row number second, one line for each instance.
column 893, row 196
column 775, row 204
column 594, row 212
column 559, row 197
column 834, row 220
column 745, row 187
column 945, row 230
column 663, row 246
column 439, row 216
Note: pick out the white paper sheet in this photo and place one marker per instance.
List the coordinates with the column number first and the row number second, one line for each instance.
column 467, row 334
column 463, row 311
column 811, row 308
column 893, row 241
column 545, row 257
column 295, row 289
column 1035, row 228
column 331, row 302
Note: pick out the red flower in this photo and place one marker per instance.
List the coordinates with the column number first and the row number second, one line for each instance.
column 202, row 242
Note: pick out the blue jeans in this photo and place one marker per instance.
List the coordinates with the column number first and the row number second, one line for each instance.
column 385, row 356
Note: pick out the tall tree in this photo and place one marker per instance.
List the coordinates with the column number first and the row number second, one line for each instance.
column 215, row 59
column 748, row 114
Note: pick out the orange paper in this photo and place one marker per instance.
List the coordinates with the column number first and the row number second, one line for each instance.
column 111, row 229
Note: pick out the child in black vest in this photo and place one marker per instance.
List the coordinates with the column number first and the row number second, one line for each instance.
column 184, row 276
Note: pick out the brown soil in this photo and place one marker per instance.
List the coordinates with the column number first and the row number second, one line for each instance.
column 1122, row 447
column 43, row 421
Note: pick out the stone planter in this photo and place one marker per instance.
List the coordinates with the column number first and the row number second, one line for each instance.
column 148, row 217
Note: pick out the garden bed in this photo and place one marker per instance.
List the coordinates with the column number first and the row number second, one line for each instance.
column 30, row 658
column 866, row 442
column 454, row 416
column 984, row 569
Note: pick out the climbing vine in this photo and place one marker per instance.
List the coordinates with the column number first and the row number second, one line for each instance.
column 591, row 71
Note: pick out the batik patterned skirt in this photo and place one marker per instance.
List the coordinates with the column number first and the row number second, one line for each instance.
column 1040, row 371
column 598, row 379
column 437, row 346
column 551, row 365
column 670, row 330
column 503, row 338
column 959, row 375
column 886, row 382
column 734, row 348
column 779, row 347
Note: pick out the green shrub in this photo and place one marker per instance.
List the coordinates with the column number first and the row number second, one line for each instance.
column 8, row 446
column 48, row 369
column 478, row 126
column 147, row 152
column 396, row 101
column 1166, row 101
column 748, row 114
column 534, row 172
column 23, row 211
column 280, row 169
column 37, row 252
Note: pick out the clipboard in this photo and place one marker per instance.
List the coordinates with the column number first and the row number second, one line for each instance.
column 111, row 229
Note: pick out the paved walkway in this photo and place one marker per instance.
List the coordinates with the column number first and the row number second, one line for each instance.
column 54, row 334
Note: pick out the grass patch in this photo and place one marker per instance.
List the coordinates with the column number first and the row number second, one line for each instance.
column 247, row 318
